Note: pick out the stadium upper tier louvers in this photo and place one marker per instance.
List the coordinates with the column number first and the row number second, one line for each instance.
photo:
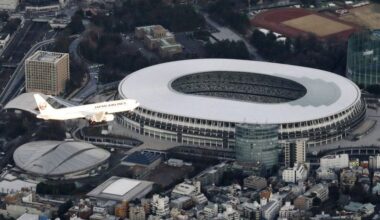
column 199, row 102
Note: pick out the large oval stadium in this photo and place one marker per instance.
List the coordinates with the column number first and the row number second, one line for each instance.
column 199, row 102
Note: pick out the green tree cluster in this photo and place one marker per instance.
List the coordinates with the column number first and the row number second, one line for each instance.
column 4, row 16
column 227, row 49
column 132, row 14
column 307, row 51
column 222, row 11
column 51, row 130
column 374, row 89
column 13, row 125
column 108, row 49
column 11, row 26
column 55, row 189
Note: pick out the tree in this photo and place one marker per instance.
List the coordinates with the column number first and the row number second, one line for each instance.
column 307, row 51
column 14, row 125
column 76, row 25
column 222, row 11
column 317, row 201
column 11, row 25
column 62, row 209
column 358, row 194
column 227, row 49
column 61, row 43
column 334, row 192
column 51, row 130
column 4, row 16
column 374, row 89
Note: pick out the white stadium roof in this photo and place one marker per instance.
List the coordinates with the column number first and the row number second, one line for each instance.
column 121, row 186
column 51, row 158
column 327, row 93
column 120, row 189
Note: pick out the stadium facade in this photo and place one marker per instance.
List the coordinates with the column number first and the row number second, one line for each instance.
column 200, row 102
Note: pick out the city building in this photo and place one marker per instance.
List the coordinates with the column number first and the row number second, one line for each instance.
column 212, row 175
column 347, row 179
column 294, row 151
column 257, row 144
column 303, row 202
column 189, row 112
column 157, row 37
column 326, row 174
column 59, row 23
column 4, row 38
column 364, row 209
column 121, row 189
column 186, row 189
column 12, row 184
column 294, row 174
column 255, row 182
column 374, row 162
column 183, row 202
column 61, row 159
column 288, row 211
column 335, row 162
column 16, row 205
column 9, row 5
column 142, row 158
column 363, row 64
column 251, row 211
column 175, row 162
column 27, row 216
column 160, row 206
column 271, row 209
column 136, row 213
column 231, row 214
column 47, row 72
column 320, row 191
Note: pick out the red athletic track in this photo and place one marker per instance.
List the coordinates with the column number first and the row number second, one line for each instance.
column 273, row 18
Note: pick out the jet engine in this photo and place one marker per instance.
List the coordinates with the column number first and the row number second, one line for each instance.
column 109, row 117
column 101, row 116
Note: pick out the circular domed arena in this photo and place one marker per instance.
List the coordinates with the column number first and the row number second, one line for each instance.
column 61, row 159
column 199, row 102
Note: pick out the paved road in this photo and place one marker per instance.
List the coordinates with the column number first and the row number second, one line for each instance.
column 225, row 33
column 92, row 83
column 15, row 84
column 371, row 139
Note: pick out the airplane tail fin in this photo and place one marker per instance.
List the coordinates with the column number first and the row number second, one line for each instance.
column 42, row 104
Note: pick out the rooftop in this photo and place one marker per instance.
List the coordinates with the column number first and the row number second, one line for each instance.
column 52, row 158
column 121, row 186
column 119, row 189
column 46, row 56
column 142, row 157
column 326, row 93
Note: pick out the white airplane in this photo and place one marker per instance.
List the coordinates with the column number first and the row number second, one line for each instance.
column 97, row 112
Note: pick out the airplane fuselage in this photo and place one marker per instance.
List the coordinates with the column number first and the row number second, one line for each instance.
column 85, row 111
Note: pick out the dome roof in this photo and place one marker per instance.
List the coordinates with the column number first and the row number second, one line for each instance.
column 52, row 158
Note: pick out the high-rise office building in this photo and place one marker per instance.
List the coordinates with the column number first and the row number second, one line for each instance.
column 294, row 151
column 257, row 144
column 47, row 72
column 363, row 61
